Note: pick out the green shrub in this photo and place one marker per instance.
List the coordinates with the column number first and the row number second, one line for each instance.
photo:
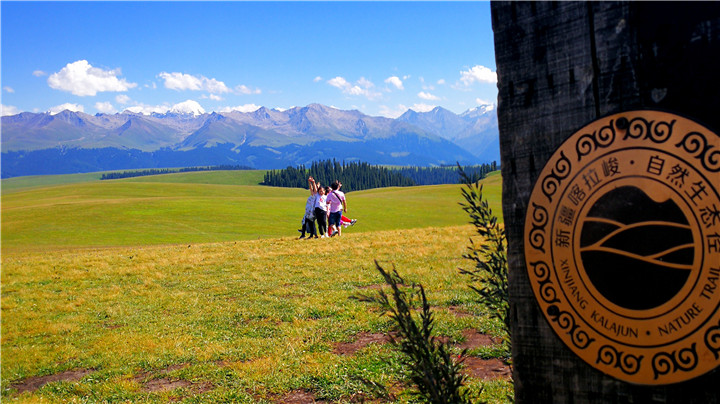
column 429, row 363
column 490, row 275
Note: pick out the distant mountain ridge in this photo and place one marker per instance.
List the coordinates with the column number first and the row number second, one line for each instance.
column 68, row 141
column 475, row 130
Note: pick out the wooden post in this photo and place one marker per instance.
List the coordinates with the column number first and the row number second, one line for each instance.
column 568, row 69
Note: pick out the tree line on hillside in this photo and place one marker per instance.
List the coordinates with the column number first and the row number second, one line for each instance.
column 356, row 176
column 158, row 171
column 445, row 174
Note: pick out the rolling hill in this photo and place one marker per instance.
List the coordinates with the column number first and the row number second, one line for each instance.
column 205, row 207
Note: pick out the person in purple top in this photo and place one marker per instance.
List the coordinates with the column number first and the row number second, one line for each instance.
column 336, row 205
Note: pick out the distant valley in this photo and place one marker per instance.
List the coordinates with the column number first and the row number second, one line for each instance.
column 75, row 142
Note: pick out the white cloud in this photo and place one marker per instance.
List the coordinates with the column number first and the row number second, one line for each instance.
column 482, row 102
column 182, row 81
column 212, row 97
column 365, row 83
column 148, row 109
column 427, row 96
column 105, row 107
column 241, row 108
column 39, row 73
column 214, row 86
column 80, row 78
column 185, row 107
column 243, row 89
column 9, row 89
column 339, row 82
column 8, row 110
column 67, row 106
column 422, row 107
column 478, row 73
column 122, row 99
column 362, row 87
column 318, row 78
column 394, row 112
column 441, row 82
column 395, row 80
column 390, row 112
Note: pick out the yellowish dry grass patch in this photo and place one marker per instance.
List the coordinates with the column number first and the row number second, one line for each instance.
column 249, row 320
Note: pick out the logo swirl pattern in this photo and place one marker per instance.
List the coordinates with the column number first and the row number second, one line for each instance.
column 622, row 246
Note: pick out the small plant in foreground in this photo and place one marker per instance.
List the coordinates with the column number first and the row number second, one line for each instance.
column 490, row 257
column 431, row 367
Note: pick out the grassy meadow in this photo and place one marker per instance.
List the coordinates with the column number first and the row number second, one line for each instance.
column 193, row 287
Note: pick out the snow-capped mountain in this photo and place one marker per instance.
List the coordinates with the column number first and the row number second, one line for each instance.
column 266, row 138
column 475, row 130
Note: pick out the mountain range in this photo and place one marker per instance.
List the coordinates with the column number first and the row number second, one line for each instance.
column 71, row 142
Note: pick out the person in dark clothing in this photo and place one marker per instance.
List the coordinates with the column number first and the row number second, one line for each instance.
column 321, row 210
column 308, row 223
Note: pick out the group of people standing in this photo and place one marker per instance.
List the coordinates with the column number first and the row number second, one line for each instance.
column 325, row 205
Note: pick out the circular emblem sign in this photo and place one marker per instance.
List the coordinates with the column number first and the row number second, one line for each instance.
column 622, row 246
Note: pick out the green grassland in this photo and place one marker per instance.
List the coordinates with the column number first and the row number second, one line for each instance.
column 202, row 208
column 37, row 181
column 240, row 177
column 199, row 283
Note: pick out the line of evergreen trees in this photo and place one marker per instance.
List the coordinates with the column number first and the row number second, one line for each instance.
column 445, row 174
column 356, row 176
column 158, row 171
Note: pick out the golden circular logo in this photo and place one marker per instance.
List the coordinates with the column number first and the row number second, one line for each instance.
column 622, row 246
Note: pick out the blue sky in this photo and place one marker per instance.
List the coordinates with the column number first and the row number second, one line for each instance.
column 378, row 57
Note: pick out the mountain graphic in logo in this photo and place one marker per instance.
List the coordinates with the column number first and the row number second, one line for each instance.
column 638, row 253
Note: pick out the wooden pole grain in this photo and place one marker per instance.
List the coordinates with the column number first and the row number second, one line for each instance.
column 560, row 66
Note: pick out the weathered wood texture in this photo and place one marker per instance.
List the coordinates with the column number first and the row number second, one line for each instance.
column 560, row 66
